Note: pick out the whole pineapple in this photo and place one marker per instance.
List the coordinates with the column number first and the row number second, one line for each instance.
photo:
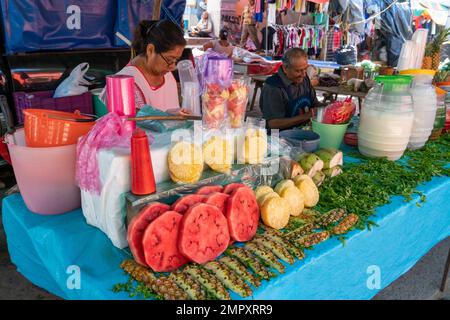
column 433, row 50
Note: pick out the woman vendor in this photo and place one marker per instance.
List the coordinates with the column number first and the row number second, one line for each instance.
column 158, row 45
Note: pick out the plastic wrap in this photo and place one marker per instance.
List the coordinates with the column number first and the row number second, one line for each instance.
column 237, row 102
column 157, row 125
column 214, row 67
column 214, row 105
column 109, row 131
column 267, row 173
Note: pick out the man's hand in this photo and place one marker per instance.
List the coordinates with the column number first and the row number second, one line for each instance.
column 286, row 123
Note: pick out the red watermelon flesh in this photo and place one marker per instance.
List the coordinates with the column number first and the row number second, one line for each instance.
column 231, row 187
column 183, row 203
column 209, row 189
column 218, row 199
column 203, row 233
column 160, row 243
column 242, row 214
column 137, row 227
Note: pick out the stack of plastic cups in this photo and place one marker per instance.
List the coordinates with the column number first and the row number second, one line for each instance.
column 120, row 97
column 190, row 87
column 420, row 39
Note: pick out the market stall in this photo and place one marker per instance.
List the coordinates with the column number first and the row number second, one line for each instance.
column 196, row 200
column 46, row 250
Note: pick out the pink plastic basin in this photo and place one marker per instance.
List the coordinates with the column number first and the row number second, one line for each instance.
column 46, row 176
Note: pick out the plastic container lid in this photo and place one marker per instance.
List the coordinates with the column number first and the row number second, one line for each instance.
column 427, row 72
column 394, row 79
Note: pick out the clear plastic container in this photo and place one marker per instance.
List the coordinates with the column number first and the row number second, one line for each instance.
column 425, row 102
column 386, row 118
column 439, row 121
column 190, row 86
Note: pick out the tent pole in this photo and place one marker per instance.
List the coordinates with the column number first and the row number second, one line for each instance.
column 157, row 10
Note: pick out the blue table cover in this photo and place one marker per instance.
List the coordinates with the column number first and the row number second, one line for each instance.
column 45, row 249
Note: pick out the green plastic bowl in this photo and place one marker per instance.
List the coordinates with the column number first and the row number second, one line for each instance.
column 331, row 135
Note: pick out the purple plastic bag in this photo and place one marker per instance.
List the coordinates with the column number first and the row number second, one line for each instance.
column 213, row 67
column 109, row 131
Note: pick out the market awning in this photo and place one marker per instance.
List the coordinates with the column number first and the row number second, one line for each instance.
column 319, row 1
column 437, row 10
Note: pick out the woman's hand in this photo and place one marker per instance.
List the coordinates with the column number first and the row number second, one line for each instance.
column 185, row 112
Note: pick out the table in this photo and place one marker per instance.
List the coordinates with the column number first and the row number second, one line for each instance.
column 342, row 91
column 51, row 250
column 259, row 83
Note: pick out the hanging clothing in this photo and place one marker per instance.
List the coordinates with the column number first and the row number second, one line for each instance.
column 259, row 10
column 272, row 13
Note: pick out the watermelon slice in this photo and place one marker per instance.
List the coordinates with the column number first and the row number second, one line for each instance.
column 242, row 214
column 183, row 203
column 218, row 199
column 231, row 187
column 203, row 233
column 160, row 243
column 209, row 189
column 137, row 227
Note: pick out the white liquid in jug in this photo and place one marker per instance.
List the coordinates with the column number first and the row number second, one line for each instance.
column 384, row 134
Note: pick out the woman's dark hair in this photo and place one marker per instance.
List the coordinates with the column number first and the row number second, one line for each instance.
column 163, row 34
column 223, row 34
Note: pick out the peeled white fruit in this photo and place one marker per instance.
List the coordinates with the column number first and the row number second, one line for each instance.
column 275, row 213
column 267, row 196
column 261, row 191
column 218, row 154
column 295, row 199
column 282, row 185
column 310, row 192
column 185, row 162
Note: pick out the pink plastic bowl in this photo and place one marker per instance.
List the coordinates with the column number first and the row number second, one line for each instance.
column 46, row 176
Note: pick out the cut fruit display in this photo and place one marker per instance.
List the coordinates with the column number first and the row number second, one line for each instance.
column 275, row 213
column 137, row 227
column 160, row 243
column 295, row 199
column 218, row 199
column 209, row 189
column 237, row 103
column 218, row 154
column 242, row 213
column 254, row 147
column 214, row 105
column 309, row 189
column 185, row 162
column 203, row 233
column 184, row 203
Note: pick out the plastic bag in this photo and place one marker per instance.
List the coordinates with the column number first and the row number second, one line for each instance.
column 338, row 112
column 214, row 105
column 156, row 125
column 74, row 84
column 213, row 67
column 237, row 102
column 109, row 131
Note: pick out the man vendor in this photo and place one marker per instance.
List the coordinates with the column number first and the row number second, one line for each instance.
column 288, row 96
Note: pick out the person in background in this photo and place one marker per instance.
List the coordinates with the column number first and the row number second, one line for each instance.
column 158, row 45
column 222, row 45
column 201, row 7
column 288, row 96
column 248, row 25
column 203, row 27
